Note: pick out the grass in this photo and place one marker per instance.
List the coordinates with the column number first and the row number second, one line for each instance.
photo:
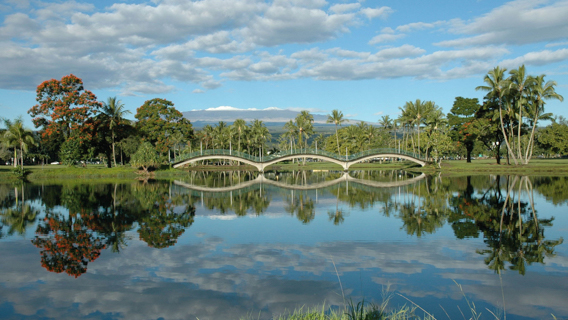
column 382, row 311
column 488, row 166
column 549, row 167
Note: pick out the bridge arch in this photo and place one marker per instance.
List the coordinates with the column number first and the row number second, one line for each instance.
column 333, row 158
column 387, row 155
column 261, row 179
column 220, row 156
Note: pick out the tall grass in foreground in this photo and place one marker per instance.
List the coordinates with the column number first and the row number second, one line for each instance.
column 382, row 311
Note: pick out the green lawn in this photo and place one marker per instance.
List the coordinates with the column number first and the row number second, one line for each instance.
column 451, row 167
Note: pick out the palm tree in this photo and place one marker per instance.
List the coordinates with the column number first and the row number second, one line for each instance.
column 305, row 127
column 387, row 123
column 259, row 134
column 418, row 112
column 291, row 132
column 18, row 136
column 208, row 133
column 336, row 117
column 520, row 85
column 497, row 87
column 239, row 126
column 221, row 134
column 114, row 112
column 540, row 91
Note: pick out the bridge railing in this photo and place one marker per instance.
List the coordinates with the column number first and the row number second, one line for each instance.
column 306, row 152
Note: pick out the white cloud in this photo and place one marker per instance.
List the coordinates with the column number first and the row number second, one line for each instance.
column 537, row 58
column 556, row 44
column 382, row 12
column 517, row 22
column 385, row 37
column 416, row 26
column 344, row 7
column 198, row 91
column 378, row 113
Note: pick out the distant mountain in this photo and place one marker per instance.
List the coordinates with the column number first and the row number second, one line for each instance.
column 228, row 114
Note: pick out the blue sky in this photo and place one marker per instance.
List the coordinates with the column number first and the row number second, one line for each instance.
column 365, row 58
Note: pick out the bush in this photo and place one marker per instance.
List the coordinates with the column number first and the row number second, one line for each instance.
column 145, row 157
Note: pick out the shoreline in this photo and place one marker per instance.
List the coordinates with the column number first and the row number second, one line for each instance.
column 542, row 167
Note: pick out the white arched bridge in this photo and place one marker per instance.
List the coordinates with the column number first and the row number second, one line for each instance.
column 262, row 162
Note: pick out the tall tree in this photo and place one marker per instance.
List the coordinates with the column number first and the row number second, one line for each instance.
column 158, row 120
column 540, row 91
column 460, row 118
column 336, row 117
column 113, row 116
column 519, row 90
column 304, row 123
column 239, row 127
column 417, row 112
column 18, row 137
column 64, row 107
column 260, row 135
column 497, row 86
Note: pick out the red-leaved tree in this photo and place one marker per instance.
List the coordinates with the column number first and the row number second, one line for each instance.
column 65, row 107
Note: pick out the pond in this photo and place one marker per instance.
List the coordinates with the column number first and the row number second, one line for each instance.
column 230, row 245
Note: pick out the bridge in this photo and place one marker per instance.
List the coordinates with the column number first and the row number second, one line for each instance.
column 261, row 179
column 264, row 161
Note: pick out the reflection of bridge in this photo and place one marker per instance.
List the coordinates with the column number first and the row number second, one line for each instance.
column 261, row 179
column 262, row 162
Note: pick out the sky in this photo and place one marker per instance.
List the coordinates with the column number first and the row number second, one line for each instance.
column 365, row 58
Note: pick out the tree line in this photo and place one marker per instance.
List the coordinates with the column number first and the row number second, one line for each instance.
column 74, row 127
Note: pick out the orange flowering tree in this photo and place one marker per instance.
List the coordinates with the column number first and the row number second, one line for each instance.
column 65, row 109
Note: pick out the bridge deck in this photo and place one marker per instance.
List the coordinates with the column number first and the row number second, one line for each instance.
column 261, row 162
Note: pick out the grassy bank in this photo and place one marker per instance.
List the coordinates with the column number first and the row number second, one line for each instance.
column 488, row 166
column 548, row 167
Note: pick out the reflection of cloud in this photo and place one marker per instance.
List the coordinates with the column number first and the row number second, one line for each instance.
column 210, row 278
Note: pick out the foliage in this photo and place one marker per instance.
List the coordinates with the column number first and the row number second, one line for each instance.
column 112, row 117
column 16, row 136
column 145, row 157
column 336, row 117
column 554, row 137
column 460, row 121
column 158, row 120
column 68, row 244
column 520, row 98
column 159, row 224
column 64, row 106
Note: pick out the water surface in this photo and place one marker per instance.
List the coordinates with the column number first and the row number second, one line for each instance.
column 226, row 245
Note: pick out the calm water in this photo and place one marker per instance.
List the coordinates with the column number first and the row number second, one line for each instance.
column 231, row 244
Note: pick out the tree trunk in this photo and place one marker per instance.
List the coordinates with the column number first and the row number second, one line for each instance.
column 22, row 155
column 519, row 132
column 504, row 134
column 337, row 137
column 498, row 154
column 113, row 153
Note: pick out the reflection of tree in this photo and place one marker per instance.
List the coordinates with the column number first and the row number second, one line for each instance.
column 301, row 205
column 336, row 216
column 426, row 210
column 68, row 244
column 553, row 189
column 18, row 219
column 160, row 222
column 512, row 232
column 240, row 202
column 18, row 215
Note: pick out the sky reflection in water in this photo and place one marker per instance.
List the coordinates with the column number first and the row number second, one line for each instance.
column 160, row 249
